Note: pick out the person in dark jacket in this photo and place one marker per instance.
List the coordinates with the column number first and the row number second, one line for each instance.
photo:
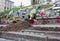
column 18, row 13
column 34, row 16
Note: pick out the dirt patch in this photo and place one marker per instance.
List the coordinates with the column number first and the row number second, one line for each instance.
column 16, row 26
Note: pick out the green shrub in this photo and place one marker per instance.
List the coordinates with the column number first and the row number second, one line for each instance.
column 5, row 12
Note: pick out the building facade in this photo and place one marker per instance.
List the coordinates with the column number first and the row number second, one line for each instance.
column 6, row 5
column 42, row 1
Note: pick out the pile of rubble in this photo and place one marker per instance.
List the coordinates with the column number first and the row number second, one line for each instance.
column 16, row 26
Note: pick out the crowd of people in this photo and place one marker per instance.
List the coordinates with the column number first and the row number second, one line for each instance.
column 30, row 15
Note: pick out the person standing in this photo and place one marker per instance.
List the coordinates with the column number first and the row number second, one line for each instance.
column 34, row 16
column 33, row 12
column 18, row 14
column 42, row 13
